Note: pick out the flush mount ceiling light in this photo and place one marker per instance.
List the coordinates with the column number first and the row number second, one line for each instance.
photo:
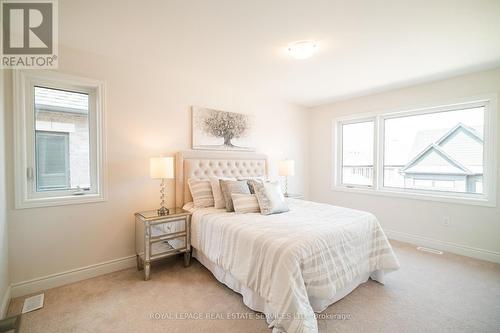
column 303, row 49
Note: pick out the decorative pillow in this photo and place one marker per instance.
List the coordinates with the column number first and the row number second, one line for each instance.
column 249, row 179
column 270, row 197
column 245, row 203
column 232, row 186
column 201, row 191
column 219, row 201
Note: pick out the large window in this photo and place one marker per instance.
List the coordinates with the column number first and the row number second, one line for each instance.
column 440, row 151
column 59, row 146
column 443, row 153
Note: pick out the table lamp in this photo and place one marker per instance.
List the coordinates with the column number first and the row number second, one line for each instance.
column 286, row 168
column 162, row 168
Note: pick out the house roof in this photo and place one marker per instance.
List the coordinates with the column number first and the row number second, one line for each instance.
column 61, row 100
column 446, row 157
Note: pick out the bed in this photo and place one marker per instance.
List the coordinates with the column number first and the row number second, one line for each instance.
column 288, row 266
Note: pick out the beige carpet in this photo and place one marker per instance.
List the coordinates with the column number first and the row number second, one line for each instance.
column 430, row 293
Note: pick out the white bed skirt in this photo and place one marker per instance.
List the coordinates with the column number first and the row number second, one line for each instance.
column 257, row 303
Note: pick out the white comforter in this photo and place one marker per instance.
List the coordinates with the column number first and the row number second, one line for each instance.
column 314, row 251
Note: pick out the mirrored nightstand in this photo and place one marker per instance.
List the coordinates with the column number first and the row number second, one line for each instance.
column 294, row 196
column 162, row 236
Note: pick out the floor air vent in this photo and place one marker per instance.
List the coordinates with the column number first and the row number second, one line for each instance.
column 33, row 303
column 427, row 249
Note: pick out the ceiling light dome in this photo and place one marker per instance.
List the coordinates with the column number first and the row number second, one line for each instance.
column 303, row 49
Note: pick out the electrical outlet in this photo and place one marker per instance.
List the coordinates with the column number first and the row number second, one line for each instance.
column 446, row 221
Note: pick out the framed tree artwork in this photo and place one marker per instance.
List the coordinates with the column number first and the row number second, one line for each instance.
column 221, row 130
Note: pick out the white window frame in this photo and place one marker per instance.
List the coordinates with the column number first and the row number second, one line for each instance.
column 490, row 162
column 26, row 195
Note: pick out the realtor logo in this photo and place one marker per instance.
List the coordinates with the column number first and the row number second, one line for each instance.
column 29, row 34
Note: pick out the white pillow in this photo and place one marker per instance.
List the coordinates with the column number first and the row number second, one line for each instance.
column 245, row 203
column 249, row 180
column 270, row 197
column 201, row 191
column 219, row 201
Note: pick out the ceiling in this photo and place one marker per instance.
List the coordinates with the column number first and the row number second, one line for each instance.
column 364, row 46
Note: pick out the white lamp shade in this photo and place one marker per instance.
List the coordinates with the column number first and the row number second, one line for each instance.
column 287, row 168
column 161, row 167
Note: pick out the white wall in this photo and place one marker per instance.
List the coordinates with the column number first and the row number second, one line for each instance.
column 471, row 226
column 159, row 59
column 148, row 113
column 4, row 259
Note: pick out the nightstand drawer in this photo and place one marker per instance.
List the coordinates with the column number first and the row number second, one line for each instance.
column 167, row 248
column 167, row 237
column 168, row 227
column 294, row 196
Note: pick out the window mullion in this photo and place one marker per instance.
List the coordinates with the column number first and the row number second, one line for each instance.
column 379, row 153
column 338, row 172
column 30, row 130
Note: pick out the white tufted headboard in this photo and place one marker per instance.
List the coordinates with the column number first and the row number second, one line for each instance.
column 203, row 164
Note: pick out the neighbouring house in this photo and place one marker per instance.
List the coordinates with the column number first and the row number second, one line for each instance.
column 454, row 162
column 357, row 167
column 62, row 139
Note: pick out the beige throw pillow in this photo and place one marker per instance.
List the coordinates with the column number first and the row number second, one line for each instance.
column 233, row 186
column 219, row 201
column 201, row 191
column 245, row 203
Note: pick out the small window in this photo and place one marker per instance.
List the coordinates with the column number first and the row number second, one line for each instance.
column 58, row 140
column 62, row 125
column 357, row 153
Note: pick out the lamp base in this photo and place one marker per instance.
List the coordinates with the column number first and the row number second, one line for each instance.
column 163, row 211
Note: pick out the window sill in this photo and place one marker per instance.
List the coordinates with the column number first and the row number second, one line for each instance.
column 491, row 202
column 60, row 201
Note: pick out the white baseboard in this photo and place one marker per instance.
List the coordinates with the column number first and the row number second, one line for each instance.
column 74, row 275
column 444, row 246
column 4, row 306
column 78, row 274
